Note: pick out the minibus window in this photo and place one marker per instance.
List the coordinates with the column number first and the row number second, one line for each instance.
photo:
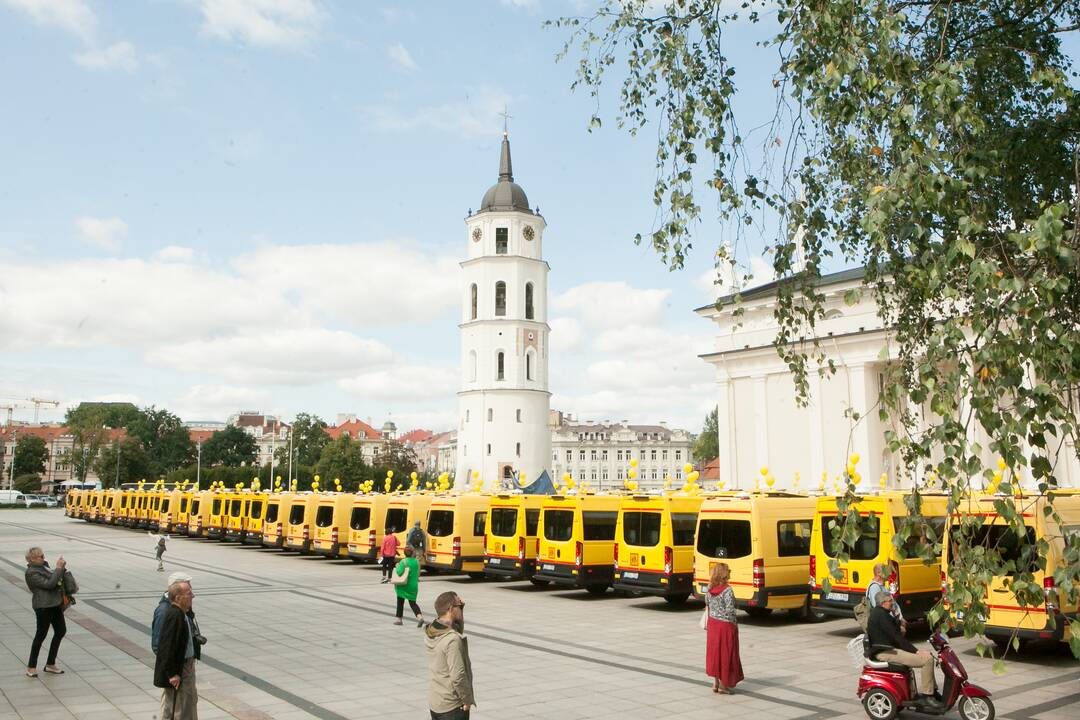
column 215, row 508
column 256, row 510
column 558, row 525
column 235, row 509
column 532, row 519
column 641, row 529
column 164, row 504
column 396, row 519
column 296, row 513
column 724, row 538
column 793, row 538
column 441, row 523
column 195, row 507
column 920, row 533
column 682, row 528
column 865, row 548
column 1012, row 549
column 479, row 523
column 184, row 502
column 503, row 522
column 271, row 512
column 599, row 525
column 324, row 515
column 361, row 518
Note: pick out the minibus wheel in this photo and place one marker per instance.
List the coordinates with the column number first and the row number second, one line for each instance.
column 677, row 599
column 476, row 575
column 809, row 614
column 758, row 612
column 539, row 583
column 596, row 589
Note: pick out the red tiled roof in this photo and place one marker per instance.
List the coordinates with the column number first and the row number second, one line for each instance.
column 48, row 433
column 356, row 429
column 415, row 436
column 711, row 471
column 200, row 436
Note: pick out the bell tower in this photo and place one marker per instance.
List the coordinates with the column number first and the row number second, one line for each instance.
column 504, row 398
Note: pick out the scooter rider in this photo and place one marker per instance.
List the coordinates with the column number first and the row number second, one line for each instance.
column 884, row 630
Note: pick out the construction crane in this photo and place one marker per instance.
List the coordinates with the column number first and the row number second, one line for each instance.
column 38, row 402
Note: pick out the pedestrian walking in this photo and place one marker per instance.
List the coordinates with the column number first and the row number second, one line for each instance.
column 51, row 591
column 417, row 540
column 722, row 661
column 159, row 549
column 178, row 649
column 388, row 555
column 163, row 605
column 450, row 693
column 407, row 585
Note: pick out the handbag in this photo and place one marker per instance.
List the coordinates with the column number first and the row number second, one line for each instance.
column 703, row 623
column 402, row 578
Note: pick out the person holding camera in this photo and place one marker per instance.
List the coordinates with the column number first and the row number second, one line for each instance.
column 178, row 649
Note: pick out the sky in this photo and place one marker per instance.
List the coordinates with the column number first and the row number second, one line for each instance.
column 223, row 205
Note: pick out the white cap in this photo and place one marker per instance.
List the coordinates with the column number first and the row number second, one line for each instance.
column 178, row 577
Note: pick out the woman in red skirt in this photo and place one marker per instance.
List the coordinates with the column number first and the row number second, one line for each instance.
column 722, row 662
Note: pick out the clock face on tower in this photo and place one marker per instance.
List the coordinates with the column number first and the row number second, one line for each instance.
column 477, row 233
column 528, row 233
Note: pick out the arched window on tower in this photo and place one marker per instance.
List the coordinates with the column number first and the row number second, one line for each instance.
column 472, row 301
column 500, row 366
column 528, row 301
column 500, row 299
column 472, row 363
column 529, row 365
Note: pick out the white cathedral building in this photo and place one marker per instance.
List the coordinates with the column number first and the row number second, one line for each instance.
column 504, row 400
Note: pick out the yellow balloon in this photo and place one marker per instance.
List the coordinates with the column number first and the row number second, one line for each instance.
column 389, row 473
column 633, row 474
column 770, row 481
column 854, row 459
column 692, row 477
column 687, row 468
column 1001, row 464
column 566, row 477
column 633, row 463
column 412, row 475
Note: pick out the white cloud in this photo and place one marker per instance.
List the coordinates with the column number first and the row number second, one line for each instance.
column 566, row 334
column 216, row 402
column 283, row 357
column 401, row 57
column 175, row 253
column 405, row 382
column 120, row 56
column 476, row 114
column 613, row 304
column 71, row 16
column 367, row 283
column 289, row 24
column 105, row 233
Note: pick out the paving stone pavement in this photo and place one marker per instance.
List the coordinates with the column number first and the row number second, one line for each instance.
column 294, row 637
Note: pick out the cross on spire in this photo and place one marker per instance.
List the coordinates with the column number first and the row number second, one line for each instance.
column 506, row 116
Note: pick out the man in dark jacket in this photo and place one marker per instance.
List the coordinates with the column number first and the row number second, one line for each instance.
column 174, row 668
column 163, row 605
column 884, row 629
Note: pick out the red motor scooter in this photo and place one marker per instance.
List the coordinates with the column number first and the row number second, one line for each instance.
column 887, row 688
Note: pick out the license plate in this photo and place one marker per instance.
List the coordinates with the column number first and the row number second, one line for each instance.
column 431, row 558
column 545, row 566
column 837, row 596
column 634, row 559
column 630, row 575
column 494, row 561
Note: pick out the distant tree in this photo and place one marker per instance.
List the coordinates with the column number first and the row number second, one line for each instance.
column 308, row 440
column 402, row 460
column 31, row 455
column 89, row 423
column 134, row 463
column 707, row 444
column 343, row 459
column 28, row 483
column 231, row 447
column 164, row 438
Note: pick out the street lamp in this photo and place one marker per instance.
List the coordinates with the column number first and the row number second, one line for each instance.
column 198, row 465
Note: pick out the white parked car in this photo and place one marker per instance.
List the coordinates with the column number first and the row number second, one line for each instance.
column 12, row 497
column 50, row 500
column 35, row 501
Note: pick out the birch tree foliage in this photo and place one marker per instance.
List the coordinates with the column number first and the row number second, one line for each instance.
column 933, row 142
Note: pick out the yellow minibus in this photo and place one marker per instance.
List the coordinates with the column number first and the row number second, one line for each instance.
column 71, row 503
column 367, row 524
column 978, row 520
column 182, row 512
column 199, row 513
column 278, row 505
column 456, row 528
column 253, row 519
column 654, row 545
column 332, row 512
column 916, row 585
column 219, row 510
column 402, row 513
column 511, row 545
column 299, row 522
column 577, row 540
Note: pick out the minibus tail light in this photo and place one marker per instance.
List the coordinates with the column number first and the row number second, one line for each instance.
column 521, row 548
column 1050, row 592
column 307, row 532
column 813, row 571
column 456, row 547
column 616, row 556
column 893, row 581
column 579, row 552
column 759, row 574
column 944, row 583
column 334, row 536
column 669, row 560
column 371, row 538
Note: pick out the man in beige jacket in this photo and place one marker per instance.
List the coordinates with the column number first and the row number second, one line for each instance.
column 451, row 694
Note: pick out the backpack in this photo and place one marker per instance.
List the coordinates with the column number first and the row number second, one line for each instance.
column 862, row 613
column 415, row 538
